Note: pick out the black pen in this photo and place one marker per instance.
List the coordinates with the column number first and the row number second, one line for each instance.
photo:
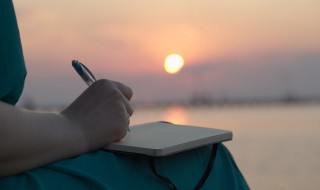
column 84, row 72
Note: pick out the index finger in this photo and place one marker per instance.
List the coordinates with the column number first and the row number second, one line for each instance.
column 125, row 90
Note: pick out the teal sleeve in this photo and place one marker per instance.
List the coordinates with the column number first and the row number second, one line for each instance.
column 12, row 68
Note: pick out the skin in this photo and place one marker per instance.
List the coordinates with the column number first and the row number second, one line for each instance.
column 28, row 139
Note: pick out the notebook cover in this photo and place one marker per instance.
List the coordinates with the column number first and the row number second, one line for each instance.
column 162, row 138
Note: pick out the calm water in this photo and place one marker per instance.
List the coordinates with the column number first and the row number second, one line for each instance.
column 276, row 147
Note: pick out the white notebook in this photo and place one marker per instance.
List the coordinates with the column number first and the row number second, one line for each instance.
column 162, row 139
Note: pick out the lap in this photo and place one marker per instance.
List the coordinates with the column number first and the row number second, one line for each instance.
column 106, row 170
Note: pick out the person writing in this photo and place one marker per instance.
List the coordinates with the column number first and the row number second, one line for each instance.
column 31, row 139
column 40, row 150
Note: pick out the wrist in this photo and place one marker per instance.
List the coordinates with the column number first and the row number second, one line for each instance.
column 77, row 130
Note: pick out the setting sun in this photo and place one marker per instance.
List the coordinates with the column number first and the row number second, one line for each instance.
column 173, row 63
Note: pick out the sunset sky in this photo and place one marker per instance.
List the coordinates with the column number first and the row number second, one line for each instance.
column 231, row 48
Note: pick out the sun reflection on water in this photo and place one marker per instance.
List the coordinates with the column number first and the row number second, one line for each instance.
column 176, row 115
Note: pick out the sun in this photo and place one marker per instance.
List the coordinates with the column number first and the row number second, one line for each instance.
column 173, row 63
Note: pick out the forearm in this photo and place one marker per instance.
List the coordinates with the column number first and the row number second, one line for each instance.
column 30, row 139
column 96, row 118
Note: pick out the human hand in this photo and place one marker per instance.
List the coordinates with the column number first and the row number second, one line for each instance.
column 101, row 113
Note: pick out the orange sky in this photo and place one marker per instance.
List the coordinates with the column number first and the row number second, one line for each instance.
column 117, row 38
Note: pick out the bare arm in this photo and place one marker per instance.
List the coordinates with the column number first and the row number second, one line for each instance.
column 31, row 139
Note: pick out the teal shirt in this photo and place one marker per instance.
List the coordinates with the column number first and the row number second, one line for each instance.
column 12, row 68
column 101, row 169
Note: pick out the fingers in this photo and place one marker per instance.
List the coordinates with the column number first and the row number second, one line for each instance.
column 125, row 90
column 128, row 106
column 116, row 88
column 127, row 93
column 110, row 85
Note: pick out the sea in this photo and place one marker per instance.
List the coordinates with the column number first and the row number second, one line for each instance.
column 276, row 146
